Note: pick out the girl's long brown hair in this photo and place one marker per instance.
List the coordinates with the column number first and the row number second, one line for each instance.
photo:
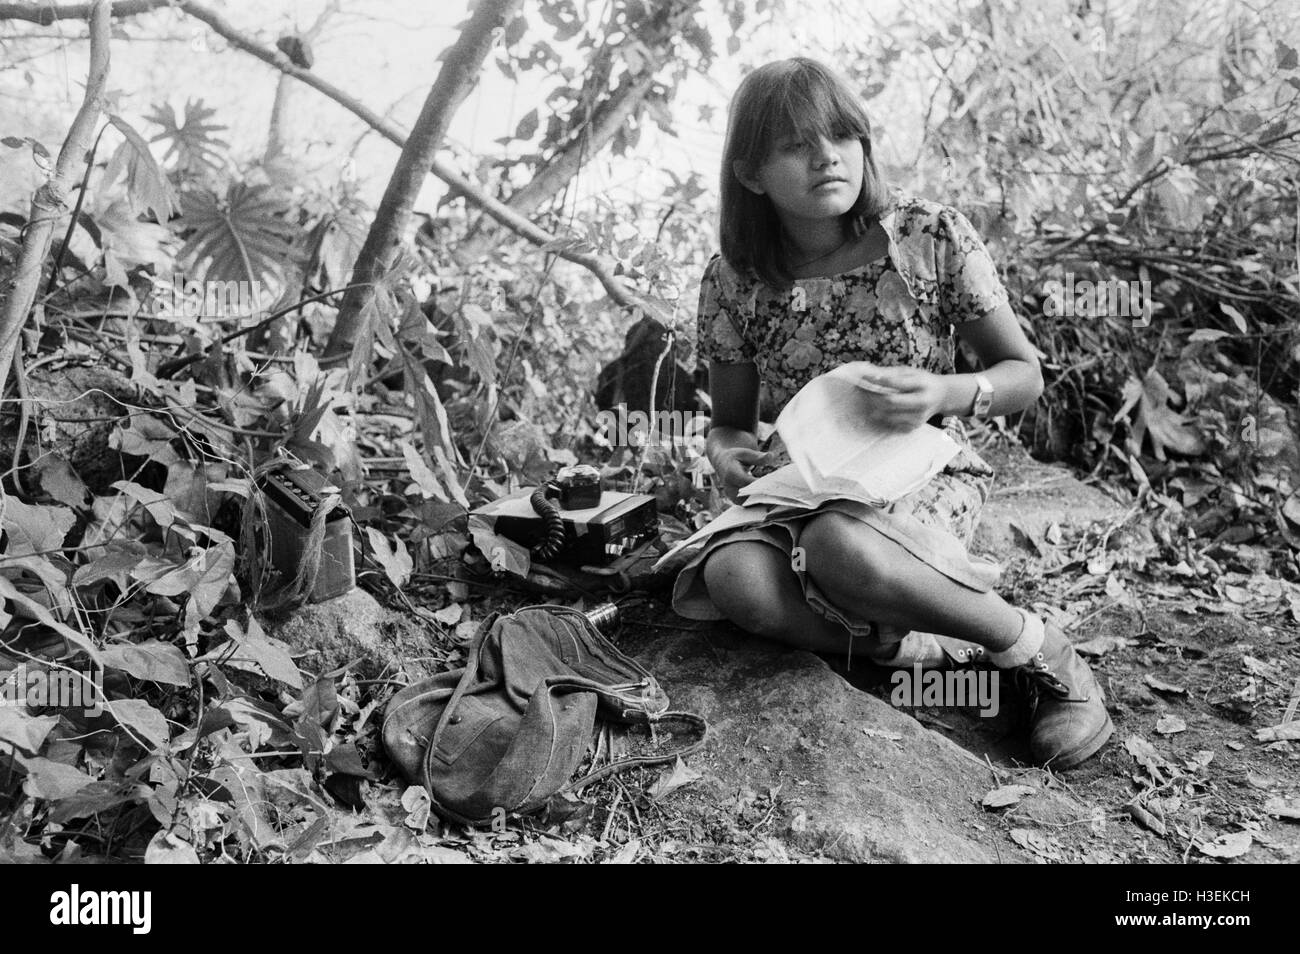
column 802, row 96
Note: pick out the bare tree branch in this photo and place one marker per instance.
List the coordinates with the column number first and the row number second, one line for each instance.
column 457, row 77
column 565, row 164
column 47, row 13
column 50, row 201
column 656, row 37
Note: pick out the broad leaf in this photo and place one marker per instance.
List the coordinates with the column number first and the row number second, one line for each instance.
column 145, row 722
column 166, row 849
column 192, row 142
column 28, row 732
column 214, row 578
column 152, row 660
column 242, row 236
column 159, row 507
column 147, row 187
column 55, row 578
column 436, row 431
column 395, row 560
column 60, row 481
column 424, row 478
column 42, row 614
column 53, row 780
column 128, row 242
column 97, row 797
column 1238, row 319
column 260, row 652
column 34, row 528
column 1165, row 426
column 334, row 243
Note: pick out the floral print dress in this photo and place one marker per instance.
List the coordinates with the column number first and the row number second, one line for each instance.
column 898, row 310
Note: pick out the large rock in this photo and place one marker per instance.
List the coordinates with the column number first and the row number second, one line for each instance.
column 859, row 780
column 333, row 633
column 1033, row 495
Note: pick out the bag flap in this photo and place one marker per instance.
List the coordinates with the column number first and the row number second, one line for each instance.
column 489, row 760
column 410, row 719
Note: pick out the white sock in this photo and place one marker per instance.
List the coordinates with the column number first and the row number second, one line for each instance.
column 1026, row 646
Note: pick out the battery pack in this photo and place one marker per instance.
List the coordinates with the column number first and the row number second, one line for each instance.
column 292, row 499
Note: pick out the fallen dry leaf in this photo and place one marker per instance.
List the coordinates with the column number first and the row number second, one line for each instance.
column 1287, row 731
column 1042, row 845
column 1170, row 725
column 1227, row 846
column 1159, row 685
column 1282, row 808
column 1007, row 795
column 1148, row 820
column 1199, row 759
column 1101, row 645
column 546, row 851
column 449, row 614
column 671, row 782
column 625, row 855
column 1257, row 667
column 1146, row 755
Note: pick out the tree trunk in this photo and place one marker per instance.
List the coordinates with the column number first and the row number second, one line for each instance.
column 50, row 201
column 276, row 141
column 455, row 79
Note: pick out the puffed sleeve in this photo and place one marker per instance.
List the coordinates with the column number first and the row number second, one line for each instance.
column 722, row 316
column 969, row 286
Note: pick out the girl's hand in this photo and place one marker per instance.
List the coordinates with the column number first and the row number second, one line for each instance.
column 732, row 466
column 900, row 399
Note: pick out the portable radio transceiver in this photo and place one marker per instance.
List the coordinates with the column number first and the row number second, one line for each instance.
column 607, row 529
column 292, row 498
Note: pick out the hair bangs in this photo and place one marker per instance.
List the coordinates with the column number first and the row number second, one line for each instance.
column 814, row 105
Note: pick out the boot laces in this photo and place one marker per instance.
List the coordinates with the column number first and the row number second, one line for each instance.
column 1036, row 679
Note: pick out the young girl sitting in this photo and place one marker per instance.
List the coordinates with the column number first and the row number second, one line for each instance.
column 820, row 266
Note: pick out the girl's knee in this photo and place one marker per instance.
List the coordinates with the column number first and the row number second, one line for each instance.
column 753, row 586
column 845, row 554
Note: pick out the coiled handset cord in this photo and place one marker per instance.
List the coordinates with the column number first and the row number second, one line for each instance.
column 553, row 539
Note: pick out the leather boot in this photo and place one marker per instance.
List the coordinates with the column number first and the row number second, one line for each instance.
column 1068, row 718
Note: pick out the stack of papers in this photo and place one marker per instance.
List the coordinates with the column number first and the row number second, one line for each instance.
column 838, row 454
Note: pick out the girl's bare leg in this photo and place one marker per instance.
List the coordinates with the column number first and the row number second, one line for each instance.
column 869, row 576
column 754, row 586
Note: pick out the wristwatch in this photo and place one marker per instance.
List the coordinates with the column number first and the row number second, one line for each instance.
column 983, row 396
